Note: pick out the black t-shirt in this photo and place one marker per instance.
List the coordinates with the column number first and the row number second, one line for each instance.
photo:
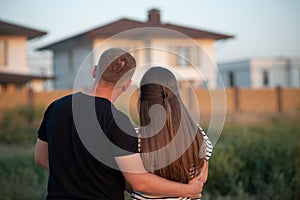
column 84, row 134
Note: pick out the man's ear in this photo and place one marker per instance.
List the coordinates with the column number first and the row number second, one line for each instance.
column 94, row 71
column 127, row 84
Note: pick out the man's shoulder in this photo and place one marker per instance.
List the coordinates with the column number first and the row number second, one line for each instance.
column 63, row 99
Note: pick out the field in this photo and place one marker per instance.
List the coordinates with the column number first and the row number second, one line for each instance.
column 250, row 161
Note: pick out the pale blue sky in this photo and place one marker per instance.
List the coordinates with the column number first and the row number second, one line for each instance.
column 263, row 28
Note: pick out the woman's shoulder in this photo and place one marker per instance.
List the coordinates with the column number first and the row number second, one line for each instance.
column 208, row 144
column 202, row 132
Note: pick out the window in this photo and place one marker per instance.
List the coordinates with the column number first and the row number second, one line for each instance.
column 265, row 78
column 3, row 52
column 182, row 56
column 231, row 79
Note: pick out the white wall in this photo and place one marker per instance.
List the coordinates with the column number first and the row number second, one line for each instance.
column 159, row 54
column 240, row 70
column 243, row 77
column 83, row 64
column 40, row 63
column 295, row 72
column 16, row 54
column 283, row 72
column 67, row 62
column 258, row 66
column 208, row 64
column 60, row 64
column 279, row 74
column 202, row 68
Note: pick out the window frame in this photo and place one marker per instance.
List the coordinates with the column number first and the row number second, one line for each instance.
column 184, row 56
column 265, row 78
column 3, row 52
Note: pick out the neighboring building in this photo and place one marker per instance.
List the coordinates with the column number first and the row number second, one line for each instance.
column 69, row 53
column 260, row 72
column 14, row 70
column 41, row 63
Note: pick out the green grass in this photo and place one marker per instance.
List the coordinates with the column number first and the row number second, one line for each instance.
column 250, row 161
column 20, row 177
column 18, row 126
column 259, row 161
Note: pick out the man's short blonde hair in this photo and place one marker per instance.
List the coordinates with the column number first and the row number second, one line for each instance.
column 115, row 65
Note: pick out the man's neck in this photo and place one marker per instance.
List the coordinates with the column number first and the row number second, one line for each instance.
column 103, row 92
column 106, row 92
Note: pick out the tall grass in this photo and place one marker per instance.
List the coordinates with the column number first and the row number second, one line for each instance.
column 21, row 178
column 250, row 161
column 18, row 126
column 258, row 161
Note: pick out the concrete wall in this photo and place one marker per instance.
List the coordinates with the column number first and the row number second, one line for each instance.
column 238, row 101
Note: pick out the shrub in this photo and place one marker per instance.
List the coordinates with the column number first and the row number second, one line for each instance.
column 260, row 160
column 19, row 125
column 249, row 161
column 21, row 178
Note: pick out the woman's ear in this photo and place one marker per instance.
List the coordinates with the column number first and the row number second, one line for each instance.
column 94, row 71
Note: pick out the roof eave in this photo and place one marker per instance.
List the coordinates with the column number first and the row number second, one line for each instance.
column 39, row 34
column 97, row 32
column 17, row 78
column 53, row 45
column 12, row 29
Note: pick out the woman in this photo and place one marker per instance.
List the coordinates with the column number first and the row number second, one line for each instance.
column 171, row 144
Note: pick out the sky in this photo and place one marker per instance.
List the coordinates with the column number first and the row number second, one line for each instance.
column 262, row 28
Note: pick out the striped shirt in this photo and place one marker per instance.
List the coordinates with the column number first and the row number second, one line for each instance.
column 207, row 154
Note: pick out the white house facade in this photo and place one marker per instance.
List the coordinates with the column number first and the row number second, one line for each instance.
column 152, row 42
column 14, row 69
column 260, row 72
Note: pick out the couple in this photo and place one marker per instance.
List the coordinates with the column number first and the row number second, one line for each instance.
column 122, row 159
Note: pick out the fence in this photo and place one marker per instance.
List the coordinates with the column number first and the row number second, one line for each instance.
column 238, row 100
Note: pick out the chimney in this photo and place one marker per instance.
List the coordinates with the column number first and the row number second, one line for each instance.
column 153, row 16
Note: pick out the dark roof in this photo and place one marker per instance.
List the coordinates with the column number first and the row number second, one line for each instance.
column 125, row 24
column 17, row 30
column 16, row 78
column 197, row 33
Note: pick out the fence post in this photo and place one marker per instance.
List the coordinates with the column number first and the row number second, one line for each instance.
column 236, row 98
column 279, row 98
column 30, row 96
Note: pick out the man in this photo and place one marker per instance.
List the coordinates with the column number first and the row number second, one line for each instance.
column 84, row 140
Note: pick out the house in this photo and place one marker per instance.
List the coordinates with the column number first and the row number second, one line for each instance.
column 14, row 70
column 152, row 42
column 260, row 72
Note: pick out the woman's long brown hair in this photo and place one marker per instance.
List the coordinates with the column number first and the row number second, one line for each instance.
column 178, row 136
